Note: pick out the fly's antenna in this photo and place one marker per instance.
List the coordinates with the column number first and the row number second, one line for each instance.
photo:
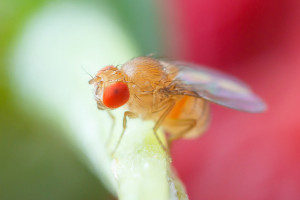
column 86, row 71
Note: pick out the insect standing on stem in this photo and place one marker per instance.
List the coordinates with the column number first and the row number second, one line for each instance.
column 175, row 95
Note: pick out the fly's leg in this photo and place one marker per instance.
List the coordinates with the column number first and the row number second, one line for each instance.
column 111, row 128
column 188, row 123
column 170, row 105
column 126, row 114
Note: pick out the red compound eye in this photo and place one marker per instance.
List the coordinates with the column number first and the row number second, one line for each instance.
column 104, row 69
column 115, row 95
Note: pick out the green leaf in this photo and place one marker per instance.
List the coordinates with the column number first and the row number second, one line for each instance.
column 49, row 81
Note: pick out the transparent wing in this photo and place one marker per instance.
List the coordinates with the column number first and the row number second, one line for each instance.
column 217, row 87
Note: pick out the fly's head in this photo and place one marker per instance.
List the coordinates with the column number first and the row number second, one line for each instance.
column 110, row 88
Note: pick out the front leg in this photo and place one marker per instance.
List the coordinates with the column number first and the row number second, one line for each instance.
column 168, row 106
column 126, row 114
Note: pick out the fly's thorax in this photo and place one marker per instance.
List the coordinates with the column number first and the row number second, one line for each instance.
column 150, row 105
column 145, row 72
column 147, row 78
column 170, row 69
column 140, row 102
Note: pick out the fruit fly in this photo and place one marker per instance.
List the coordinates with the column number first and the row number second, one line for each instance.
column 175, row 95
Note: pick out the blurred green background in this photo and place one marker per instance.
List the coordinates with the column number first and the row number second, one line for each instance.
column 37, row 161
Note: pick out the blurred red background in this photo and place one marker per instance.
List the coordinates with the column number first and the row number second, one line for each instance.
column 245, row 156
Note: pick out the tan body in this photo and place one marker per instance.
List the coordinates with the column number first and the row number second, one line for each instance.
column 175, row 95
column 151, row 92
column 149, row 82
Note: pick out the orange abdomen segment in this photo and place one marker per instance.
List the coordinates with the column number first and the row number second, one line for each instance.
column 188, row 108
column 178, row 108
